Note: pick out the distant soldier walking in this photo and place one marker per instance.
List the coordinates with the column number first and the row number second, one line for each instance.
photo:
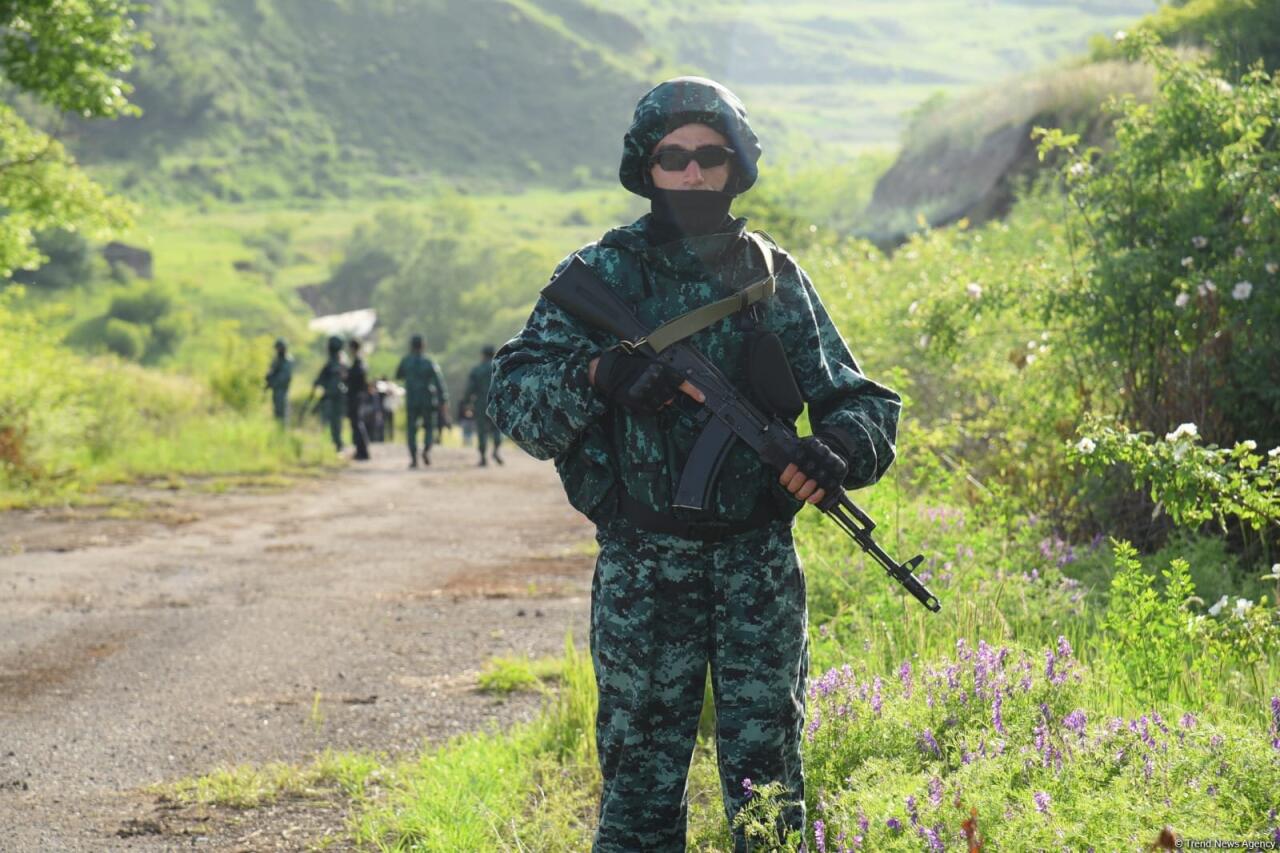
column 331, row 380
column 424, row 394
column 477, row 399
column 357, row 391
column 278, row 379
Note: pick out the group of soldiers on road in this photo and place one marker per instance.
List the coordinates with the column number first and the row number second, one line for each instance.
column 344, row 388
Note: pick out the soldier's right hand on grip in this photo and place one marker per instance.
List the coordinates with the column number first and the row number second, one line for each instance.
column 636, row 382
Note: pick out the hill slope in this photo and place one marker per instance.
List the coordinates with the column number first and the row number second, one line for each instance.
column 262, row 98
column 277, row 98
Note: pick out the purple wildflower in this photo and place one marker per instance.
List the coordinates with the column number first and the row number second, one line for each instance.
column 1215, row 741
column 904, row 673
column 747, row 789
column 820, row 835
column 1076, row 721
column 814, row 724
column 1275, row 721
column 825, row 685
column 935, row 791
column 1188, row 721
column 1043, row 802
column 863, row 823
column 1064, row 647
column 877, row 701
column 929, row 744
column 894, row 824
column 997, row 718
column 911, row 811
column 934, row 841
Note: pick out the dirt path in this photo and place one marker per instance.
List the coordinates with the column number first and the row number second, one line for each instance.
column 141, row 651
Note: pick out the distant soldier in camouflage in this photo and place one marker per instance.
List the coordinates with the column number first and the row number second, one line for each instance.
column 425, row 395
column 476, row 398
column 331, row 380
column 279, row 377
column 675, row 590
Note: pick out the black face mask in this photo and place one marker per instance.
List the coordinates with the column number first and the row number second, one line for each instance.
column 690, row 213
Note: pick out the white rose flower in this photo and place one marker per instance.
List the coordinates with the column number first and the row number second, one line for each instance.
column 1273, row 267
column 1246, row 220
column 1242, row 290
column 1181, row 300
column 1086, row 445
column 1206, row 287
column 1183, row 429
column 1273, row 453
column 1121, row 35
column 1077, row 169
column 1216, row 608
column 1242, row 607
column 1188, row 261
column 1199, row 242
column 1249, row 444
column 974, row 290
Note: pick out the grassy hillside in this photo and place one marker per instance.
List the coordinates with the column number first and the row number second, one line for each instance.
column 279, row 98
column 273, row 98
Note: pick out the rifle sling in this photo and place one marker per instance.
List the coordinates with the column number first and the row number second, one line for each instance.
column 698, row 319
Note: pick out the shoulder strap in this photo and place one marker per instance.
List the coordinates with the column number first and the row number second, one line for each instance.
column 699, row 318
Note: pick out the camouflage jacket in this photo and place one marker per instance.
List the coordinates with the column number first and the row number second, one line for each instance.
column 332, row 378
column 541, row 396
column 478, row 382
column 280, row 375
column 422, row 382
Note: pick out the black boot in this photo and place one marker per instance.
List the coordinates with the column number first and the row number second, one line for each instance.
column 426, row 456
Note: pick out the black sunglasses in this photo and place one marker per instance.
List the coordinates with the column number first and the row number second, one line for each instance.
column 677, row 159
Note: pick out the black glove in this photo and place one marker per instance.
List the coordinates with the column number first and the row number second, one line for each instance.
column 636, row 382
column 815, row 458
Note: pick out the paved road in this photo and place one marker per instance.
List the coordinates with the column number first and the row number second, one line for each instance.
column 350, row 612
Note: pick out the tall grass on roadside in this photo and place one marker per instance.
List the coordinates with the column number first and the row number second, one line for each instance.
column 68, row 423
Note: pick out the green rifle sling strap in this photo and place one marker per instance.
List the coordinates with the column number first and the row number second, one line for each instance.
column 699, row 318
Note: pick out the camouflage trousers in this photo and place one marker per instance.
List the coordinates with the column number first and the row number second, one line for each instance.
column 332, row 407
column 663, row 609
column 416, row 411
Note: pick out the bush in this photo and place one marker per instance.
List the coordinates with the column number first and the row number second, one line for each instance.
column 125, row 339
column 1177, row 306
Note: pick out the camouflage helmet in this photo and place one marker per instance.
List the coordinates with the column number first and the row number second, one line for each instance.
column 681, row 101
column 335, row 343
column 281, row 343
column 416, row 342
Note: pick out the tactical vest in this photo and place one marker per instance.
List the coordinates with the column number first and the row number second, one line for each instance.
column 625, row 459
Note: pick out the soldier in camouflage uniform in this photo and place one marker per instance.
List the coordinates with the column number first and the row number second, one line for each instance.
column 424, row 395
column 279, row 377
column 331, row 380
column 677, row 591
column 477, row 399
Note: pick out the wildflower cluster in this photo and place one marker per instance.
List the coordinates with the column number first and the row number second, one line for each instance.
column 899, row 763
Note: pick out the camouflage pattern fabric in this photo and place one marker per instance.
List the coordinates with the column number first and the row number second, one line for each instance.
column 416, row 410
column 662, row 609
column 477, row 396
column 332, row 409
column 422, row 381
column 424, row 393
column 682, row 101
column 331, row 381
column 279, row 377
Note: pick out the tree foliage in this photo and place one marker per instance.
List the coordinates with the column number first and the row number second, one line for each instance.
column 70, row 55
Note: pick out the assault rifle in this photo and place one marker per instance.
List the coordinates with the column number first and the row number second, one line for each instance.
column 583, row 294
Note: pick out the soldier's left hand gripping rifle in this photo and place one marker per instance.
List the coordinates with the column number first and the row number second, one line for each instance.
column 579, row 291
